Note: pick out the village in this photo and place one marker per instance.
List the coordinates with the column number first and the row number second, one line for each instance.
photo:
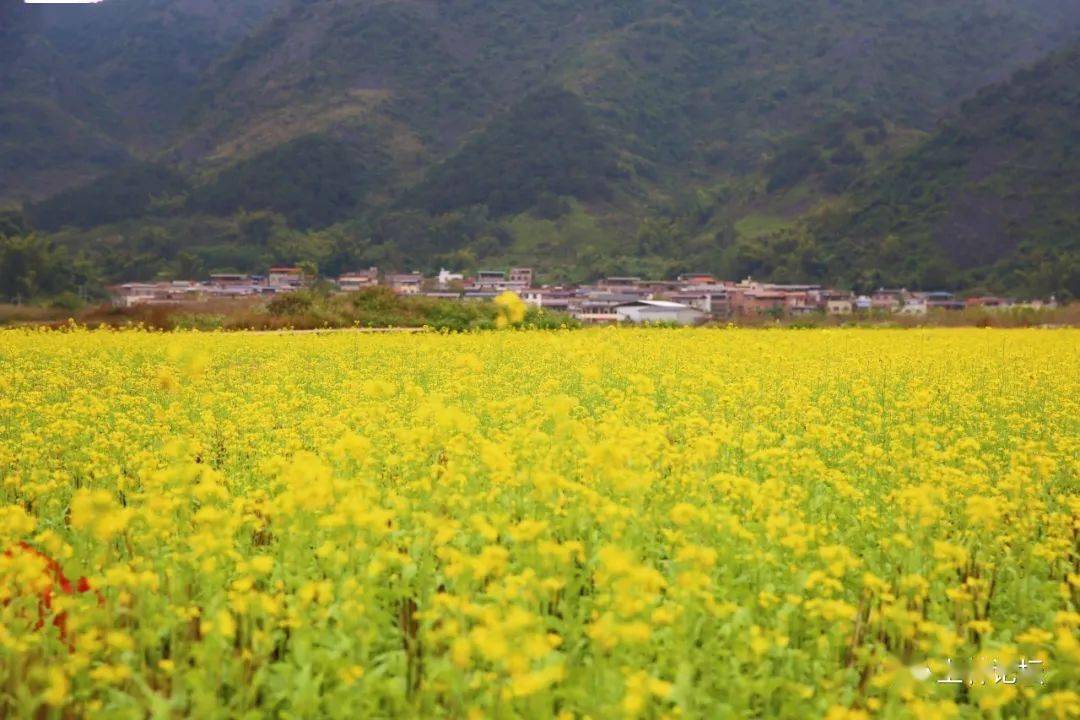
column 689, row 299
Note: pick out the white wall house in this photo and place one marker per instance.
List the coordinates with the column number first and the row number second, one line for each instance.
column 658, row 311
column 914, row 306
column 839, row 307
column 446, row 277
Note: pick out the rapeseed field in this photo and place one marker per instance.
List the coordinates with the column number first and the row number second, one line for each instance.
column 608, row 523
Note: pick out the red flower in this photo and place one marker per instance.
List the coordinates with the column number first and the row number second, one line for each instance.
column 60, row 585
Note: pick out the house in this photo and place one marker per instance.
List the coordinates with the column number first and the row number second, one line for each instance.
column 533, row 297
column 891, row 299
column 223, row 280
column 808, row 290
column 619, row 284
column 913, row 305
column 800, row 303
column 714, row 299
column 522, row 276
column 702, row 301
column 839, row 306
column 229, row 292
column 989, row 302
column 480, row 295
column 447, row 278
column 291, row 277
column 156, row 293
column 405, row 283
column 547, row 298
column 658, row 311
column 656, row 288
column 697, row 279
column 490, row 280
column 758, row 301
column 599, row 307
column 358, row 280
column 943, row 300
column 518, row 280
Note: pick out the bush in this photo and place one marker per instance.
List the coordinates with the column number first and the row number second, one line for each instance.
column 294, row 303
column 374, row 298
column 67, row 301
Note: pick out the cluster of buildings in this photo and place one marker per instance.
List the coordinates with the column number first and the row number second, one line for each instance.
column 694, row 298
column 686, row 300
column 228, row 286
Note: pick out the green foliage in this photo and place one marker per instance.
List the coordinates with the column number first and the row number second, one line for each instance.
column 43, row 146
column 547, row 145
column 312, row 181
column 12, row 222
column 124, row 193
column 991, row 200
column 32, row 268
column 293, row 303
column 585, row 138
column 792, row 164
column 84, row 89
column 380, row 307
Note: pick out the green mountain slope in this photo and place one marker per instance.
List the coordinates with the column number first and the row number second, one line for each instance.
column 992, row 198
column 592, row 136
column 87, row 88
column 546, row 145
column 683, row 85
column 53, row 121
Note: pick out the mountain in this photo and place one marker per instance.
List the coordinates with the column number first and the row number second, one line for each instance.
column 992, row 197
column 88, row 88
column 584, row 137
column 682, row 85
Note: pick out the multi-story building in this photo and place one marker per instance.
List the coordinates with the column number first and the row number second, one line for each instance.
column 599, row 307
column 359, row 279
column 839, row 306
column 522, row 276
column 489, row 280
column 405, row 283
column 746, row 301
column 890, row 299
column 285, row 277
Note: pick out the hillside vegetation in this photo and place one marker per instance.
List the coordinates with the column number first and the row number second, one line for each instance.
column 584, row 137
column 992, row 197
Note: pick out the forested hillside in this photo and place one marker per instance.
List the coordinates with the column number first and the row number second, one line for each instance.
column 585, row 137
column 992, row 198
column 86, row 88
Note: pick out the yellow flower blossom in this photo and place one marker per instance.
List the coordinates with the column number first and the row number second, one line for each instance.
column 588, row 524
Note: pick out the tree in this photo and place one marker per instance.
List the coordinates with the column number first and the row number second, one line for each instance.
column 12, row 223
column 31, row 268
